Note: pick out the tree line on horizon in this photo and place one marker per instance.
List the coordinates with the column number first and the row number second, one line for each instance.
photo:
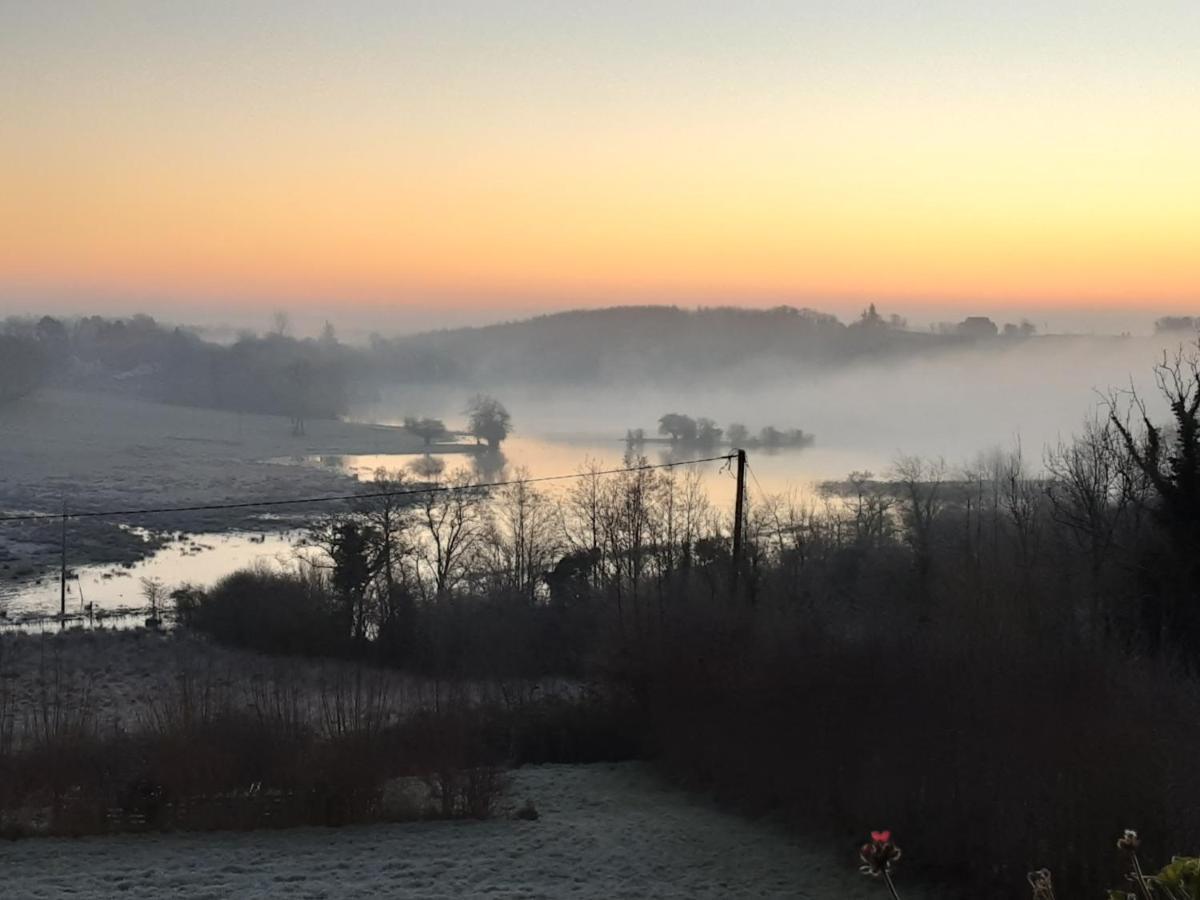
column 279, row 373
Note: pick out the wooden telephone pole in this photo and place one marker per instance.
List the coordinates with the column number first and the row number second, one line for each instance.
column 738, row 515
column 62, row 572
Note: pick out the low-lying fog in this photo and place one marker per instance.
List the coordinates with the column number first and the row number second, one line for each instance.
column 955, row 405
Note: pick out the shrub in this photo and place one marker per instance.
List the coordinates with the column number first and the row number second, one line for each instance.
column 274, row 612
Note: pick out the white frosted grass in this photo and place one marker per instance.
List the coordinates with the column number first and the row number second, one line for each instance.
column 605, row 831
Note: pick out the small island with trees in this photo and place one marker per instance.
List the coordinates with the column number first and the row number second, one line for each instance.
column 488, row 421
column 680, row 430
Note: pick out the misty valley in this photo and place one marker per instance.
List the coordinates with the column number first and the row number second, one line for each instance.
column 601, row 420
column 418, row 569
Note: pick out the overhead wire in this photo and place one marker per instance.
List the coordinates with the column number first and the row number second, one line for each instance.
column 340, row 498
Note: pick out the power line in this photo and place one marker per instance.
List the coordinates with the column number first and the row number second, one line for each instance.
column 750, row 469
column 373, row 495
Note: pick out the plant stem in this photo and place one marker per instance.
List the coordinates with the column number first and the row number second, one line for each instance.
column 1141, row 879
column 887, row 877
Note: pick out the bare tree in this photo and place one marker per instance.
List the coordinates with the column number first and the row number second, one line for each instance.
column 1096, row 496
column 921, row 504
column 452, row 526
column 1168, row 457
column 154, row 592
column 522, row 537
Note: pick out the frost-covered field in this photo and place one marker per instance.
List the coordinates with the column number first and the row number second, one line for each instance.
column 127, row 678
column 606, row 831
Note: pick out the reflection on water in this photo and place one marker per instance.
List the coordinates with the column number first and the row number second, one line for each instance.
column 199, row 559
column 775, row 471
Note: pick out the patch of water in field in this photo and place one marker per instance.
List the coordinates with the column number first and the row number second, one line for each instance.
column 114, row 590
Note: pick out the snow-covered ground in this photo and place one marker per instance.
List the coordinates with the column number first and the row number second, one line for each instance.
column 605, row 831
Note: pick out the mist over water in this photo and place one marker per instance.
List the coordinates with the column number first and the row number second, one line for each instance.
column 954, row 405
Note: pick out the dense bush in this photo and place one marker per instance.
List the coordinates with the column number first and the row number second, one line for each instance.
column 317, row 744
column 271, row 611
column 992, row 751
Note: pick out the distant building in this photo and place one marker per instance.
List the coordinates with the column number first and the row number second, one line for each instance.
column 977, row 327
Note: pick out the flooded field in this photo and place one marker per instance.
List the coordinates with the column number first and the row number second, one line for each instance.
column 114, row 593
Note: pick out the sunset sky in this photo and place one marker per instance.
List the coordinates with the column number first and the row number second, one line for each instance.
column 481, row 158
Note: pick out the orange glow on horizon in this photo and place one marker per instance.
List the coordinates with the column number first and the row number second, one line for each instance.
column 403, row 191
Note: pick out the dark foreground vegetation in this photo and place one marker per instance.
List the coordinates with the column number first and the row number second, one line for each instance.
column 301, row 744
column 999, row 663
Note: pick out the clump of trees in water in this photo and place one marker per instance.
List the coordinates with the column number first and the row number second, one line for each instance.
column 427, row 429
column 768, row 438
column 682, row 430
column 488, row 420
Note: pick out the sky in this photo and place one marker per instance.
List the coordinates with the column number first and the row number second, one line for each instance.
column 467, row 161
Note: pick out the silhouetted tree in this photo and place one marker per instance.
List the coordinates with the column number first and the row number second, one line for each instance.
column 707, row 432
column 870, row 318
column 770, row 436
column 1176, row 323
column 488, row 420
column 353, row 571
column 680, row 428
column 1169, row 459
column 426, row 429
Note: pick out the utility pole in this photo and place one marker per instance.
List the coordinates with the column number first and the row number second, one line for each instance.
column 62, row 573
column 738, row 515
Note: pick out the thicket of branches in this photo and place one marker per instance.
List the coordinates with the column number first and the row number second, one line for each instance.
column 295, row 743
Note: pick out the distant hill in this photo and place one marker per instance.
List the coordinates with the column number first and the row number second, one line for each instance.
column 646, row 342
column 317, row 377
